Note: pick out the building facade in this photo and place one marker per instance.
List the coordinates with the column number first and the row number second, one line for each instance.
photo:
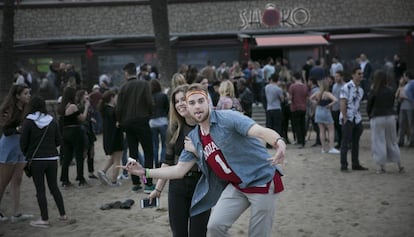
column 100, row 36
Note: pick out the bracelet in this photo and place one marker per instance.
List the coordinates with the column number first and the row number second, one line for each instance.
column 156, row 189
column 147, row 173
column 277, row 140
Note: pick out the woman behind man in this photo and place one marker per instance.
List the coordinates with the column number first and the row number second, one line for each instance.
column 12, row 160
column 323, row 116
column 181, row 190
column 227, row 97
column 72, row 131
column 380, row 108
column 40, row 137
column 113, row 138
column 158, row 121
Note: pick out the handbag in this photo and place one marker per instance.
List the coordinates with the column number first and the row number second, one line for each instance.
column 28, row 168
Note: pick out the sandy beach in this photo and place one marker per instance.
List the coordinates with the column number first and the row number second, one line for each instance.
column 318, row 201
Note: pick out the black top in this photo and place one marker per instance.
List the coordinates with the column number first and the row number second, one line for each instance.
column 71, row 119
column 113, row 139
column 16, row 119
column 174, row 150
column 381, row 104
column 31, row 136
column 160, row 106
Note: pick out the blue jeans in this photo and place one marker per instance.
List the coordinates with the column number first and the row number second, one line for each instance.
column 157, row 133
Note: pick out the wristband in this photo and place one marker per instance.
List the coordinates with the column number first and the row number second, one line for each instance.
column 147, row 173
column 156, row 189
column 278, row 139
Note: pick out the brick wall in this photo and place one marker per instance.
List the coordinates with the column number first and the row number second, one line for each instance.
column 100, row 21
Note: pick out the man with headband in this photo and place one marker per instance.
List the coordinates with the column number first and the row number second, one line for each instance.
column 238, row 172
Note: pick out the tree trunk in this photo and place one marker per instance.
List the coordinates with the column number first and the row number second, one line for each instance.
column 167, row 57
column 7, row 57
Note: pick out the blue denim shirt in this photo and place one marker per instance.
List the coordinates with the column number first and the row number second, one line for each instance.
column 247, row 157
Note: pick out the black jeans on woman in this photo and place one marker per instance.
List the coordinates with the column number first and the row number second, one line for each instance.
column 72, row 146
column 180, row 193
column 48, row 168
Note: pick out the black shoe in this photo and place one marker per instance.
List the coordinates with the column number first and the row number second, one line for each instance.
column 92, row 176
column 344, row 169
column 359, row 167
column 316, row 144
column 66, row 184
column 82, row 183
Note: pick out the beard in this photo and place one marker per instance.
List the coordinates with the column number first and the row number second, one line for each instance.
column 202, row 117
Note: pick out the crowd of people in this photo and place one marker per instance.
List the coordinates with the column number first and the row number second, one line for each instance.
column 188, row 132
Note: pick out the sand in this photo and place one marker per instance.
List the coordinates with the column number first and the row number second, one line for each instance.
column 318, row 201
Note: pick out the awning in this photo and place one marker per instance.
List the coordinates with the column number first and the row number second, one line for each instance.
column 290, row 40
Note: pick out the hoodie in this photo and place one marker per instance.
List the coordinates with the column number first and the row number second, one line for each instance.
column 33, row 128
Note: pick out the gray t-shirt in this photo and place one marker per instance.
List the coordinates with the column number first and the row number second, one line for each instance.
column 273, row 95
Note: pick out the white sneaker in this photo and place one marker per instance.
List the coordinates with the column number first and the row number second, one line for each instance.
column 123, row 177
column 103, row 178
column 117, row 184
column 20, row 217
column 334, row 151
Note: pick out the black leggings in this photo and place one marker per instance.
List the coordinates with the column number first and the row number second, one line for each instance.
column 72, row 146
column 180, row 194
column 40, row 168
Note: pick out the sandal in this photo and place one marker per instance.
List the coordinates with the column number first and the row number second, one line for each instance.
column 40, row 224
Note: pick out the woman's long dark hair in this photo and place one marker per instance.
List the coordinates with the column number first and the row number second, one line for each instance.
column 380, row 81
column 106, row 98
column 68, row 97
column 9, row 107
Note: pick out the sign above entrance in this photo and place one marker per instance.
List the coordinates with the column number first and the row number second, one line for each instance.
column 272, row 17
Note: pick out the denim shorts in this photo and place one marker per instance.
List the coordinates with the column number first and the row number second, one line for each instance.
column 10, row 152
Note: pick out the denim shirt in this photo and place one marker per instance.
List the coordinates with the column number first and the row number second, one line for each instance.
column 246, row 156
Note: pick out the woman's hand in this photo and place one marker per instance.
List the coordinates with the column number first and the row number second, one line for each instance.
column 133, row 167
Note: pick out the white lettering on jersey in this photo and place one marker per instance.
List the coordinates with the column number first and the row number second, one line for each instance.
column 209, row 149
column 222, row 164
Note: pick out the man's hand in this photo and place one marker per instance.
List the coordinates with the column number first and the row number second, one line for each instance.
column 279, row 157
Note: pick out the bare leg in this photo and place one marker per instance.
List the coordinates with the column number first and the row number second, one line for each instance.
column 16, row 182
column 331, row 134
column 322, row 136
column 116, row 158
column 6, row 173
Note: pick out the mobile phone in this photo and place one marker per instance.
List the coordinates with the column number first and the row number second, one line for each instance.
column 145, row 203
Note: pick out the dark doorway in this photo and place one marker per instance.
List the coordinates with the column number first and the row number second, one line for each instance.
column 261, row 54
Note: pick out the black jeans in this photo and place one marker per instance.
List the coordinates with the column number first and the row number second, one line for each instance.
column 72, row 146
column 299, row 124
column 274, row 120
column 138, row 132
column 337, row 126
column 48, row 168
column 180, row 193
column 351, row 133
